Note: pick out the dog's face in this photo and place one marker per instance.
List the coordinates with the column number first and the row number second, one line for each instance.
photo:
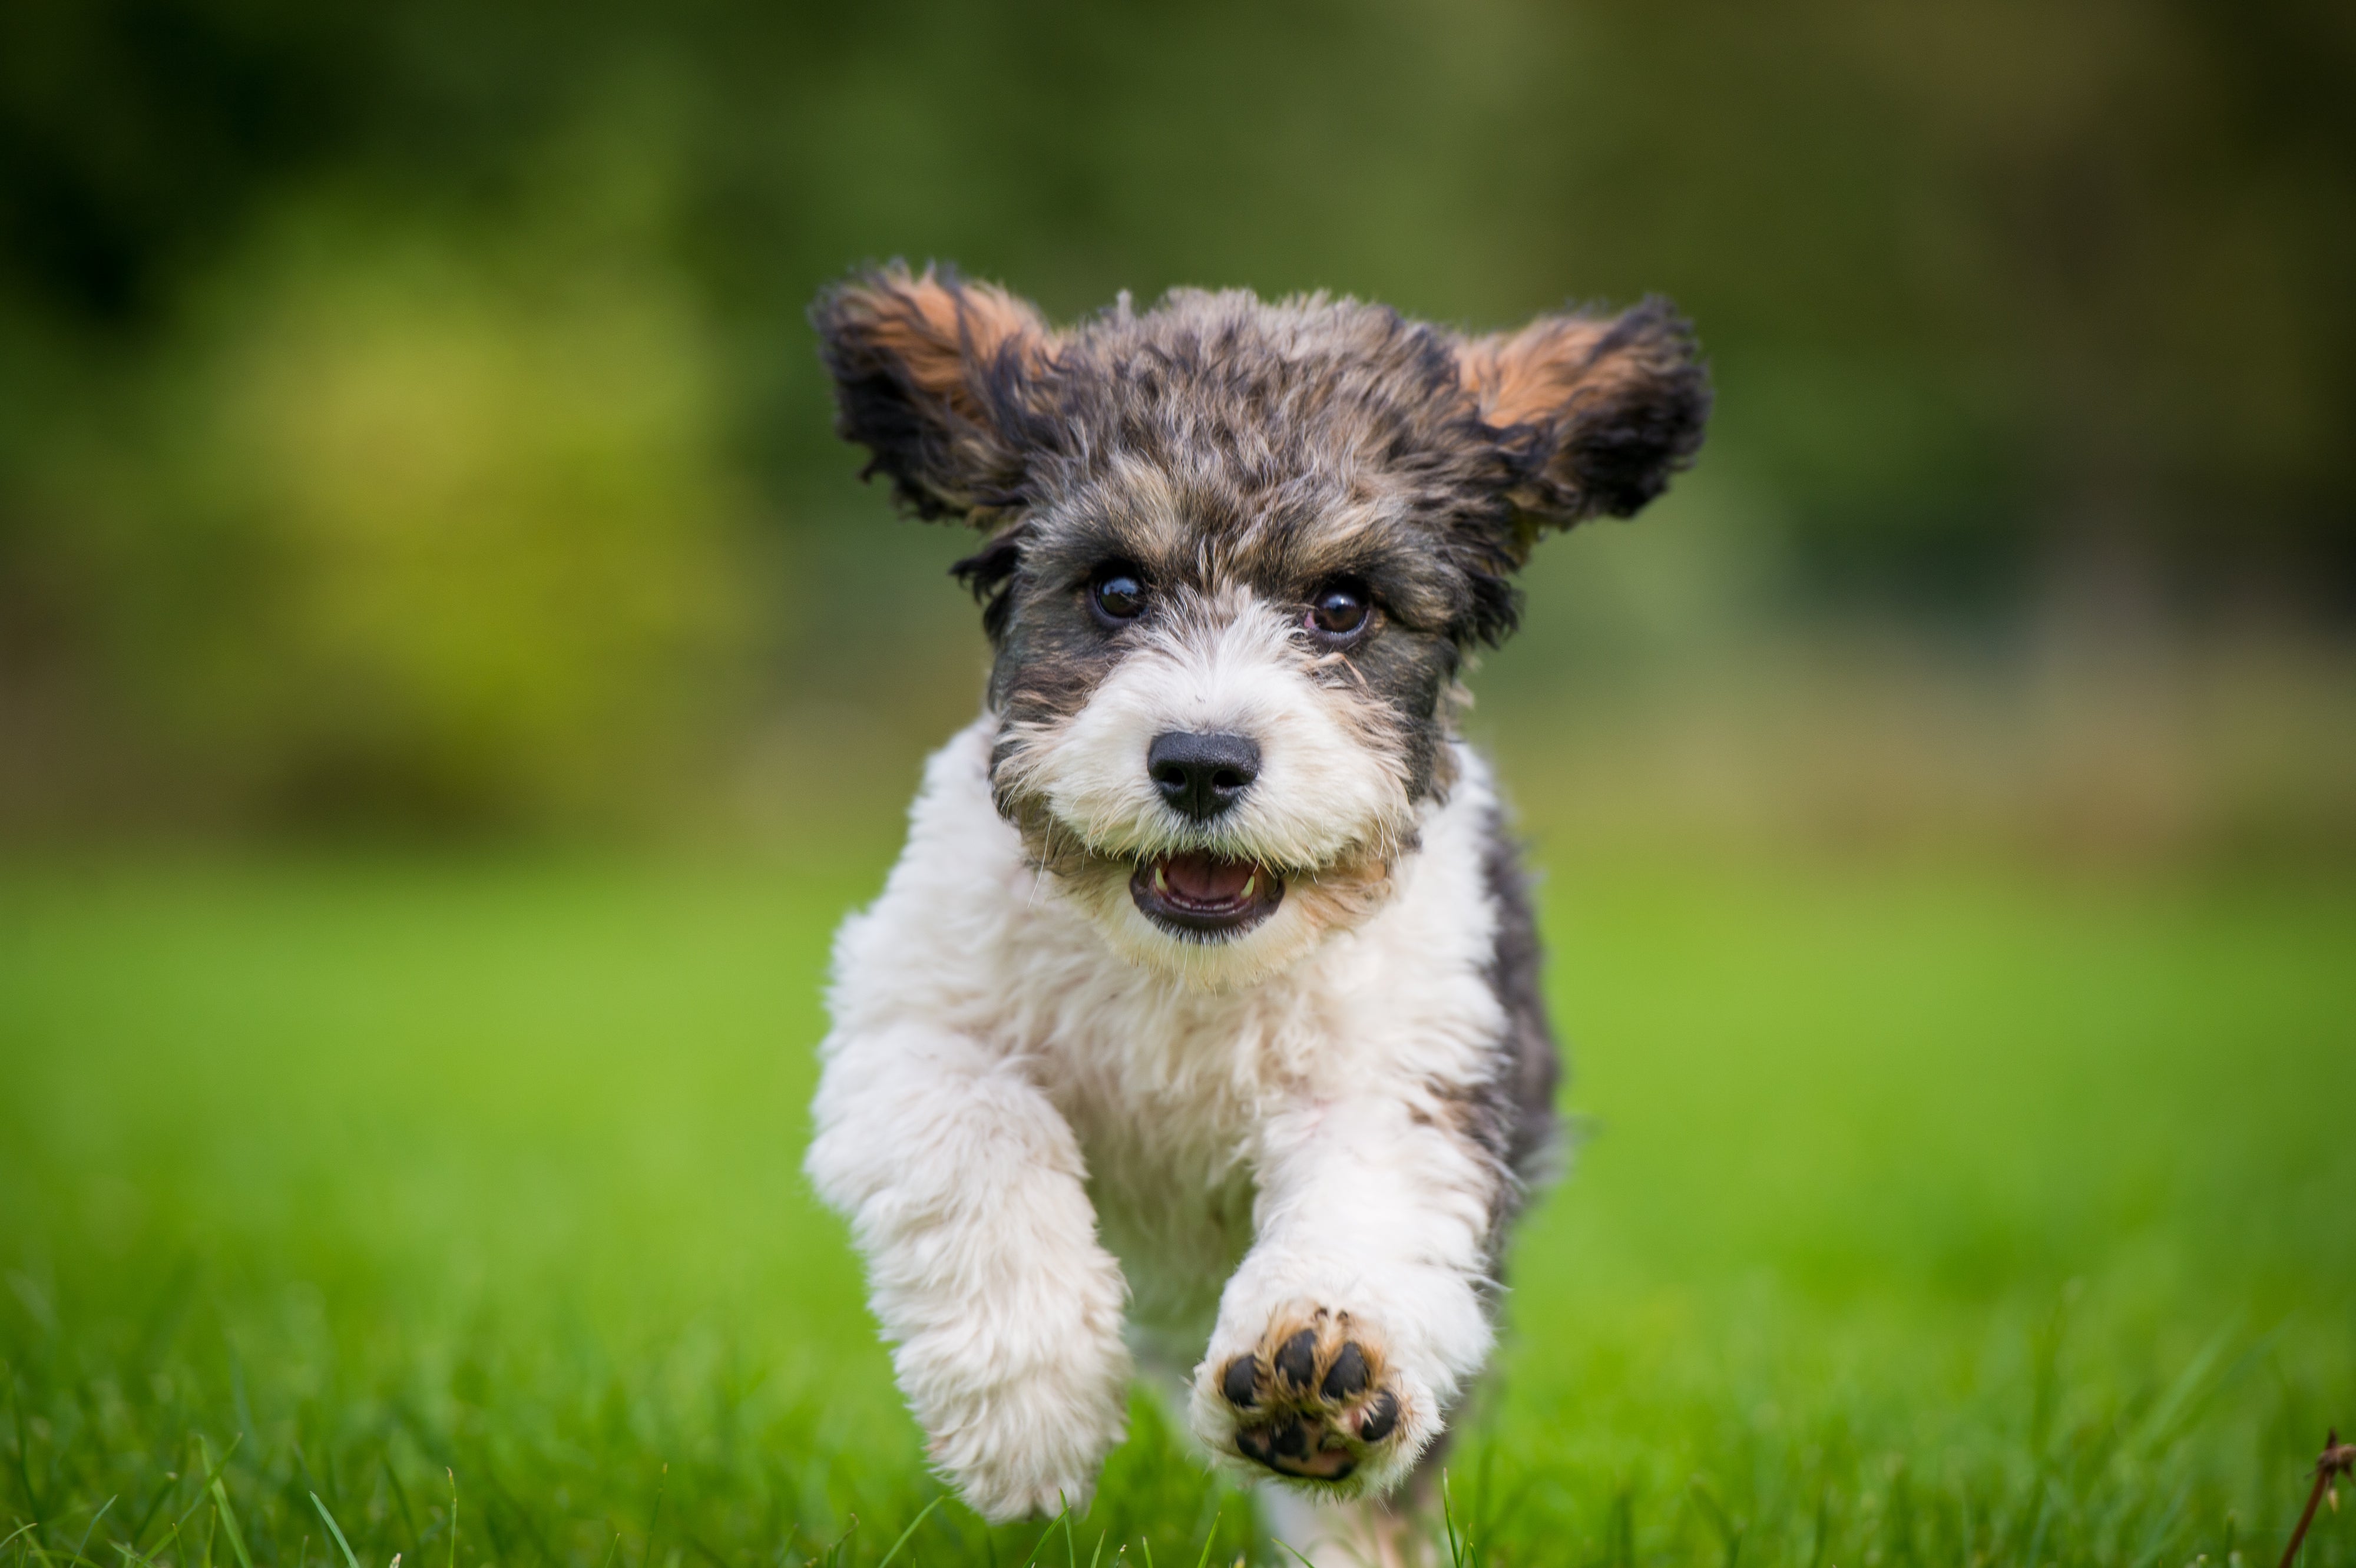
column 1235, row 553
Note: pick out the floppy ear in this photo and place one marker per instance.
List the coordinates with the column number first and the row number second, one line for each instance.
column 938, row 377
column 1602, row 411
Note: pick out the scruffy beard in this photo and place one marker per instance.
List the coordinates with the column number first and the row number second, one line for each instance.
column 1313, row 903
column 1113, row 881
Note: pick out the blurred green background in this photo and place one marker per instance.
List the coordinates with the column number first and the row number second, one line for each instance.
column 451, row 683
column 408, row 421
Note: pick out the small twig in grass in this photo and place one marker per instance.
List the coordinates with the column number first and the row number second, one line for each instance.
column 2338, row 1459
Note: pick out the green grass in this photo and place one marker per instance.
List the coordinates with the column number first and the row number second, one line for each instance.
column 1927, row 1216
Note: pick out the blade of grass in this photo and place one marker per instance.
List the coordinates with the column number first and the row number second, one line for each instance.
column 654, row 1518
column 24, row 1454
column 213, row 1473
column 93, row 1524
column 1045, row 1536
column 1204, row 1560
column 148, row 1515
column 400, row 1495
column 228, row 1514
column 33, row 1545
column 170, row 1536
column 228, row 1517
column 337, row 1530
column 2183, row 1395
column 921, row 1517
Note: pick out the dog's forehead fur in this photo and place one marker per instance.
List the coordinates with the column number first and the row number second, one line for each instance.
column 1276, row 431
column 1216, row 440
column 1218, row 434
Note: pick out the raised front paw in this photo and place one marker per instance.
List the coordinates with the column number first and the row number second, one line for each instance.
column 1314, row 1400
column 1030, row 1447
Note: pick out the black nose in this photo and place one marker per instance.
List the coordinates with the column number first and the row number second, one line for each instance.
column 1201, row 775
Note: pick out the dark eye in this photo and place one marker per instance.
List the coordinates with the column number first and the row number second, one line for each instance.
column 1118, row 596
column 1339, row 611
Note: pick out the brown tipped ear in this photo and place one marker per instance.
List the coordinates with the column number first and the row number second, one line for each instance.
column 1605, row 410
column 938, row 378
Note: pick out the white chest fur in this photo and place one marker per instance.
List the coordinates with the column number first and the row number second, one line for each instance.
column 1164, row 1105
column 1170, row 1087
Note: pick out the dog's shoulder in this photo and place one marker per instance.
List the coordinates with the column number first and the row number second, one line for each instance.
column 930, row 944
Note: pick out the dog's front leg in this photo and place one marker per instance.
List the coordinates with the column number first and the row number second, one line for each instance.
column 1358, row 1315
column 963, row 1188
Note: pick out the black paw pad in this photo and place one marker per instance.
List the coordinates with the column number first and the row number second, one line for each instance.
column 1236, row 1382
column 1320, row 1399
column 1347, row 1376
column 1296, row 1358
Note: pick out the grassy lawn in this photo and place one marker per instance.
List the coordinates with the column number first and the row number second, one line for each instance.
column 1927, row 1216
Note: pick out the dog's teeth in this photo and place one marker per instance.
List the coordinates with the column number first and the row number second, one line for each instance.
column 1249, row 883
column 1161, row 883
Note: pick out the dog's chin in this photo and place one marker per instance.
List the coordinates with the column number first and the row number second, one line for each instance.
column 1196, row 896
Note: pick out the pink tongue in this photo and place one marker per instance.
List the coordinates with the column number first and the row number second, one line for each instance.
column 1205, row 879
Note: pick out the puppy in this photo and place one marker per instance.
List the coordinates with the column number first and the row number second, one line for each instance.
column 1200, row 1020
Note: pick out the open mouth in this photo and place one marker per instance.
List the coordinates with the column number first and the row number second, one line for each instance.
column 1205, row 894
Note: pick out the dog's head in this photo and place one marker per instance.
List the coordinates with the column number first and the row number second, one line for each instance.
column 1235, row 553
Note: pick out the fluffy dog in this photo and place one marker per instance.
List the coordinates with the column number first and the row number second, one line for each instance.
column 1200, row 1019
